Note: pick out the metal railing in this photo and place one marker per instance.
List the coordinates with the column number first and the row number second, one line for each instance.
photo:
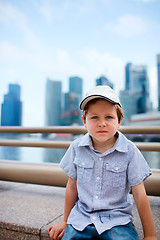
column 79, row 129
column 51, row 174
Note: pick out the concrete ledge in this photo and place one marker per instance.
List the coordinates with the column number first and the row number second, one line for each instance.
column 26, row 210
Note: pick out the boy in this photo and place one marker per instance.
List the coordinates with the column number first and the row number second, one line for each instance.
column 103, row 166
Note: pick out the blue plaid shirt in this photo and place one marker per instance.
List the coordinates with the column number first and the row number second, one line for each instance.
column 103, row 182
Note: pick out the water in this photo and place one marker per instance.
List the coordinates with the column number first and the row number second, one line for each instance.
column 32, row 154
column 50, row 155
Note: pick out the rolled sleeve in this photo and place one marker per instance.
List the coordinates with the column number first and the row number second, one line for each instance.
column 67, row 163
column 138, row 169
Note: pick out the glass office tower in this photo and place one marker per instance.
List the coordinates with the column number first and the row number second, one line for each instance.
column 75, row 86
column 127, row 76
column 137, row 84
column 53, row 103
column 71, row 113
column 11, row 108
column 104, row 81
column 75, row 96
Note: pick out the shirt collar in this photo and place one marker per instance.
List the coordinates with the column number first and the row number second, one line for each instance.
column 120, row 144
column 85, row 141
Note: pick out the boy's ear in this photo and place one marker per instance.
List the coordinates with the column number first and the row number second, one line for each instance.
column 84, row 122
column 120, row 122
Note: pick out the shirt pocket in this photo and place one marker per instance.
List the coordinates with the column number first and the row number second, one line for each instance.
column 115, row 175
column 84, row 170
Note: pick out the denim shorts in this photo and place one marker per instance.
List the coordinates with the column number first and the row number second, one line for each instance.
column 125, row 232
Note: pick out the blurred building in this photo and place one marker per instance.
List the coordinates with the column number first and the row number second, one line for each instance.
column 158, row 71
column 129, row 105
column 127, row 76
column 139, row 87
column 104, row 81
column 53, row 103
column 135, row 97
column 11, row 108
column 72, row 114
column 75, row 86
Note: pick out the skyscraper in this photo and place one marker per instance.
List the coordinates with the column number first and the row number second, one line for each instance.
column 11, row 110
column 53, row 103
column 129, row 105
column 104, row 81
column 158, row 71
column 72, row 114
column 75, row 86
column 135, row 97
column 75, row 96
column 127, row 76
column 138, row 86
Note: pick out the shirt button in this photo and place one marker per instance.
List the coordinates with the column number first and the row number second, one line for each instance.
column 93, row 218
column 96, row 197
column 100, row 158
column 98, row 178
column 83, row 163
column 116, row 168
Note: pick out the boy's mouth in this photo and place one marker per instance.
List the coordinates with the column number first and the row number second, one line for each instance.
column 102, row 131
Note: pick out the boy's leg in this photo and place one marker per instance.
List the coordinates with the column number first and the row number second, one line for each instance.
column 72, row 234
column 126, row 232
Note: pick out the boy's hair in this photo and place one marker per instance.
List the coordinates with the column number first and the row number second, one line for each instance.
column 117, row 106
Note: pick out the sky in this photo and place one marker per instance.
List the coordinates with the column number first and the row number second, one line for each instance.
column 58, row 39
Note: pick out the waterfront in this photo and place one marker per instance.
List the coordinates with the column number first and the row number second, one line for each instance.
column 50, row 155
column 32, row 154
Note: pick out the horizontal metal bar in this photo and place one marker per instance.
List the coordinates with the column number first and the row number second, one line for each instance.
column 51, row 174
column 44, row 130
column 44, row 174
column 145, row 146
column 148, row 146
column 79, row 129
column 140, row 129
column 41, row 144
column 152, row 184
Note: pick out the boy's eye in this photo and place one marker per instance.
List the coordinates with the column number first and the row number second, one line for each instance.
column 109, row 117
column 94, row 117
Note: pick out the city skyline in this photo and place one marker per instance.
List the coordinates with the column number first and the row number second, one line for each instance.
column 62, row 108
column 59, row 39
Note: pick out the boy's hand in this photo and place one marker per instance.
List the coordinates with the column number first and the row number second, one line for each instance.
column 56, row 231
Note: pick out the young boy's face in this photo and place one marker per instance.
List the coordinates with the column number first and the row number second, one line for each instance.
column 102, row 124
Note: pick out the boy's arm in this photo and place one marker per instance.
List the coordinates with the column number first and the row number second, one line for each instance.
column 70, row 197
column 57, row 231
column 144, row 210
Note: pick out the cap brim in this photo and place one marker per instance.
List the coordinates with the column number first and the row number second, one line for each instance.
column 89, row 98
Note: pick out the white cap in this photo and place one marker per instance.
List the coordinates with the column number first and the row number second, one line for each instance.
column 104, row 92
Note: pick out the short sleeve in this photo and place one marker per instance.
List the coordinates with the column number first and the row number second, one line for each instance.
column 138, row 169
column 67, row 163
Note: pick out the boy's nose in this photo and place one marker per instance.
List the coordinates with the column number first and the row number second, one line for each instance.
column 102, row 123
